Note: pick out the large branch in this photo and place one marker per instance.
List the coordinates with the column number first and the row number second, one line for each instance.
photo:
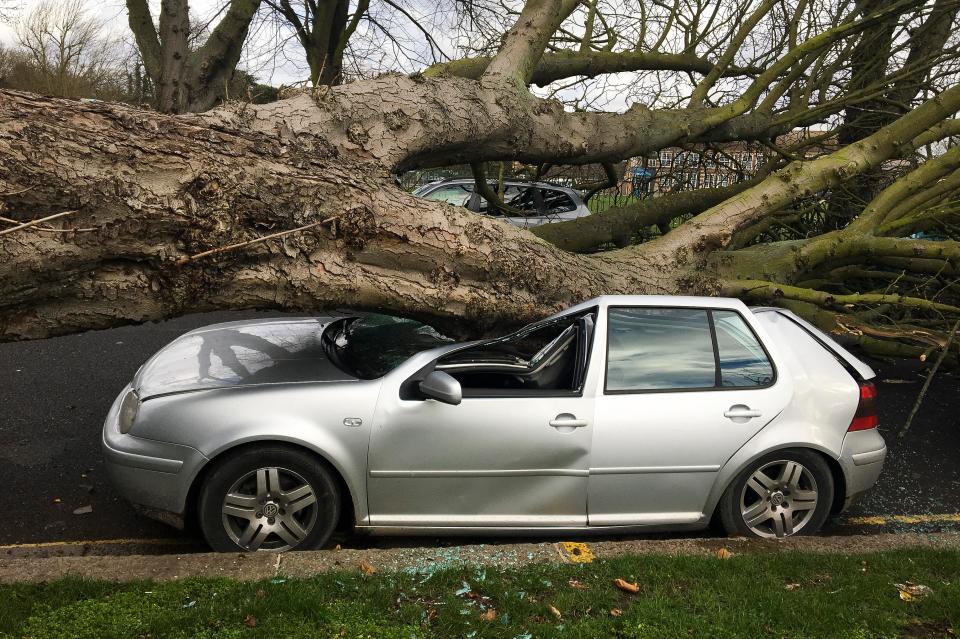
column 524, row 43
column 717, row 226
column 619, row 223
column 145, row 33
column 567, row 64
column 161, row 190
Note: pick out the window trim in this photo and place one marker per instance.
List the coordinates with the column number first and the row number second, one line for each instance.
column 716, row 355
column 407, row 391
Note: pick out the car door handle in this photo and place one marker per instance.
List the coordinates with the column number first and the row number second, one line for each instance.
column 567, row 421
column 741, row 412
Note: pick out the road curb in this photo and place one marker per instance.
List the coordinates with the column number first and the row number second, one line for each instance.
column 255, row 566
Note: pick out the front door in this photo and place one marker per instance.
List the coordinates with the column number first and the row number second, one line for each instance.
column 685, row 388
column 514, row 452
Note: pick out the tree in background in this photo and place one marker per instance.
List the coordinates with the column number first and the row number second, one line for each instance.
column 367, row 36
column 66, row 51
column 293, row 205
column 189, row 77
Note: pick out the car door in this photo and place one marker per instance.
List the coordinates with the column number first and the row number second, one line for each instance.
column 684, row 389
column 502, row 457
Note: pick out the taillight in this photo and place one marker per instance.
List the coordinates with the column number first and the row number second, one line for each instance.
column 866, row 415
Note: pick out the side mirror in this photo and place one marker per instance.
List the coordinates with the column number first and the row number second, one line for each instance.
column 441, row 387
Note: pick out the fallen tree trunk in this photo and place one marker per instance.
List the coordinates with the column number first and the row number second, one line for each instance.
column 292, row 206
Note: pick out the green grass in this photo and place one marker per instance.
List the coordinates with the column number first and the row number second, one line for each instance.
column 745, row 596
column 602, row 201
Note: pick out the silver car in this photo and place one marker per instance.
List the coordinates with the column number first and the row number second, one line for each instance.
column 622, row 413
column 541, row 202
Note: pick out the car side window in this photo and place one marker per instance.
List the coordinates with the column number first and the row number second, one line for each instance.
column 659, row 349
column 662, row 349
column 542, row 358
column 557, row 201
column 743, row 362
column 512, row 196
column 457, row 194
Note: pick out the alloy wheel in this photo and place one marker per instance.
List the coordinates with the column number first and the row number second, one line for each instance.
column 779, row 499
column 269, row 509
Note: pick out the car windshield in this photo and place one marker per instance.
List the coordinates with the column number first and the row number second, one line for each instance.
column 371, row 346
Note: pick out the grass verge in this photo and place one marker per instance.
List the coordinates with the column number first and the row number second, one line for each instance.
column 760, row 595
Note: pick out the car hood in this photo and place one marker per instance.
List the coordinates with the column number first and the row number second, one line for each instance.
column 242, row 353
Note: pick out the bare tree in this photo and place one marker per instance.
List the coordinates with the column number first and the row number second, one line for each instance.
column 189, row 77
column 292, row 205
column 332, row 34
column 67, row 46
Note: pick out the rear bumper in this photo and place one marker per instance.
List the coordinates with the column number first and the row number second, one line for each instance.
column 155, row 476
column 862, row 458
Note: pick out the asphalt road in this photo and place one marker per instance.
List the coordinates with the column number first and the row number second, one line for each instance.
column 54, row 394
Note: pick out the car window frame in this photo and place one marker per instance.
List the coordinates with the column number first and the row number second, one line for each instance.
column 716, row 354
column 408, row 386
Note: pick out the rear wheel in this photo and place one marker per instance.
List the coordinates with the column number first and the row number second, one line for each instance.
column 270, row 498
column 785, row 493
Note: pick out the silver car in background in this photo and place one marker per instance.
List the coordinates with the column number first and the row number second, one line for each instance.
column 622, row 413
column 543, row 202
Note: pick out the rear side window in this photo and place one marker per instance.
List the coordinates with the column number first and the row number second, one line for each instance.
column 660, row 349
column 557, row 201
column 743, row 362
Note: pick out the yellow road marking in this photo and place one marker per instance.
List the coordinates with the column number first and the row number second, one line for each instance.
column 881, row 520
column 173, row 541
column 577, row 552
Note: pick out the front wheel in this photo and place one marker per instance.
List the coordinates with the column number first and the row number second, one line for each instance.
column 270, row 498
column 785, row 493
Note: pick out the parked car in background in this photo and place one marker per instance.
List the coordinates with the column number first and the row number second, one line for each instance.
column 541, row 203
column 621, row 413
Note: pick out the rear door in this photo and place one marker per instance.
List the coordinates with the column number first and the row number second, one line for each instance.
column 684, row 389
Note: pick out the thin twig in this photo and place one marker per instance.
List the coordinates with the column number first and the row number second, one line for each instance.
column 232, row 247
column 25, row 225
column 23, row 190
column 49, row 229
column 926, row 383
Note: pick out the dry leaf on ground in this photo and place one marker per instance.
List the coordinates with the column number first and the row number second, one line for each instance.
column 910, row 591
column 615, row 612
column 723, row 553
column 250, row 621
column 366, row 568
column 555, row 612
column 626, row 586
column 576, row 583
column 489, row 615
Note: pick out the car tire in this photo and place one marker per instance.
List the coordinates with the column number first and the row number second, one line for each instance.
column 784, row 493
column 269, row 497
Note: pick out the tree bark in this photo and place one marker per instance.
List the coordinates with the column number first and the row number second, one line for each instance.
column 291, row 206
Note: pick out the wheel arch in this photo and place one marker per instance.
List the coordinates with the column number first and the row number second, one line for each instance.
column 348, row 497
column 731, row 471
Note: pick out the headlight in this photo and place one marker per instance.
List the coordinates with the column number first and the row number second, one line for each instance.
column 128, row 411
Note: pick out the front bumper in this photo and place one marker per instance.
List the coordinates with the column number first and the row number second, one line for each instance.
column 156, row 476
column 862, row 459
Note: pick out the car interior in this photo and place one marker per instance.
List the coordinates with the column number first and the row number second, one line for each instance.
column 545, row 358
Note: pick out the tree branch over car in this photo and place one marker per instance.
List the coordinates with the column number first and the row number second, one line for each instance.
column 161, row 188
